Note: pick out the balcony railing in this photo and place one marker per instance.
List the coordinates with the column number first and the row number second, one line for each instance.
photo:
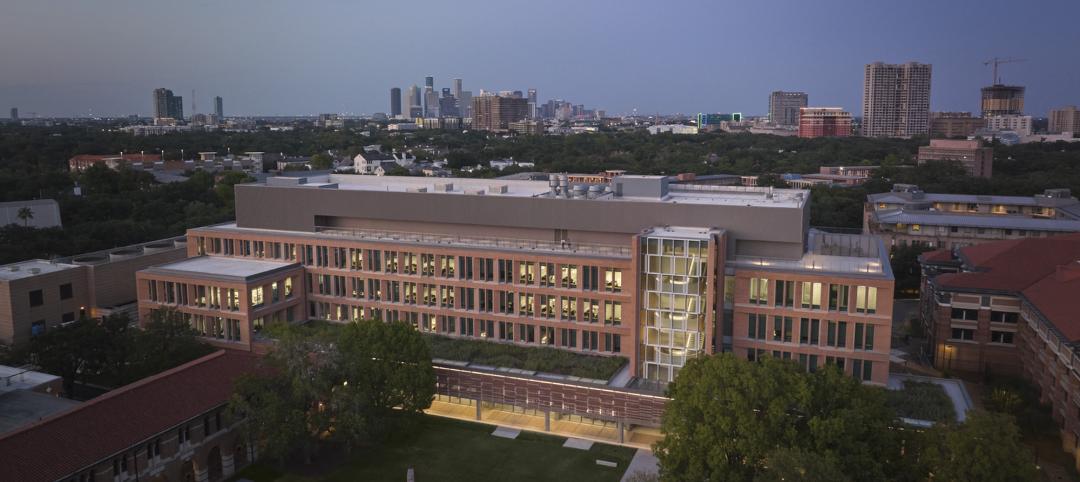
column 477, row 242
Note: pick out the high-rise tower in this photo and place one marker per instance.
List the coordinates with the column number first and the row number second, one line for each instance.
column 896, row 100
column 395, row 102
column 784, row 107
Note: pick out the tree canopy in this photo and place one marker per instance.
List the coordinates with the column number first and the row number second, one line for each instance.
column 111, row 352
column 728, row 415
column 352, row 384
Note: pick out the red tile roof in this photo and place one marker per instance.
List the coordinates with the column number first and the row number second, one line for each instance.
column 130, row 157
column 937, row 256
column 1057, row 297
column 64, row 443
column 1046, row 271
column 1012, row 265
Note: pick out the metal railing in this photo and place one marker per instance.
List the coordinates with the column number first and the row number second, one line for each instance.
column 478, row 241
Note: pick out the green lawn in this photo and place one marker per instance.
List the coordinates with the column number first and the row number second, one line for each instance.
column 449, row 450
column 923, row 401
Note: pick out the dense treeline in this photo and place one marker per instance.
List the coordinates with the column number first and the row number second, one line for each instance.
column 120, row 208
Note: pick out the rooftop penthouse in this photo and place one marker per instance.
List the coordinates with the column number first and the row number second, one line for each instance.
column 549, row 211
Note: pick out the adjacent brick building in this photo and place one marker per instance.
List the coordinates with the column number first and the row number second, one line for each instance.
column 170, row 426
column 1010, row 308
column 977, row 160
column 37, row 295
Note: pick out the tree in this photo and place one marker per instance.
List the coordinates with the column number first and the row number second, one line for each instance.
column 728, row 416
column 71, row 351
column 167, row 340
column 25, row 214
column 354, row 383
column 321, row 161
column 386, row 379
column 284, row 402
column 986, row 447
column 905, row 266
column 794, row 465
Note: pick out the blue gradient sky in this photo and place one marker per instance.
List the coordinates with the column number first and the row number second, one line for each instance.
column 265, row 57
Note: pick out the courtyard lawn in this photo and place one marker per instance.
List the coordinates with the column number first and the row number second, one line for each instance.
column 923, row 401
column 443, row 449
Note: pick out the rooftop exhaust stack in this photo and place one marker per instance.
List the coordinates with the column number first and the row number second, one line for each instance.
column 564, row 185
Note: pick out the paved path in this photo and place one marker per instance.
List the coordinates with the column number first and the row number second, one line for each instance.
column 644, row 461
column 506, row 432
column 578, row 443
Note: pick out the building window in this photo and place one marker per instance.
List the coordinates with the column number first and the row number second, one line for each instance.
column 547, row 274
column 759, row 291
column 811, row 295
column 963, row 334
column 836, row 335
column 1004, row 317
column 866, row 299
column 257, row 298
column 67, row 317
column 569, row 276
column 66, row 291
column 37, row 328
column 965, row 314
column 864, row 336
column 756, row 328
column 785, row 293
column 612, row 313
column 1004, row 337
column 862, row 369
column 37, row 298
column 613, row 280
column 838, row 298
column 782, row 328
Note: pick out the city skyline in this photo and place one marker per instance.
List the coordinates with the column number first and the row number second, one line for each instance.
column 81, row 74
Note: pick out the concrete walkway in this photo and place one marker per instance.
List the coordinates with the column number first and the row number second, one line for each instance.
column 953, row 388
column 644, row 461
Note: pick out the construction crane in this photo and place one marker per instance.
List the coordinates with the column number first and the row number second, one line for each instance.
column 995, row 62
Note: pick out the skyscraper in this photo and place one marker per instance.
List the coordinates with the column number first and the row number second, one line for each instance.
column 431, row 102
column 415, row 102
column 1065, row 119
column 532, row 103
column 448, row 104
column 429, row 82
column 167, row 105
column 1002, row 100
column 896, row 100
column 496, row 112
column 784, row 107
column 395, row 102
column 219, row 109
column 465, row 103
column 457, row 88
column 14, row 113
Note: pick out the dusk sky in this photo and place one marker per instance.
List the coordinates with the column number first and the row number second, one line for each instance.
column 269, row 57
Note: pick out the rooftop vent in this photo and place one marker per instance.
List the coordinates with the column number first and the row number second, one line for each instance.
column 444, row 187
